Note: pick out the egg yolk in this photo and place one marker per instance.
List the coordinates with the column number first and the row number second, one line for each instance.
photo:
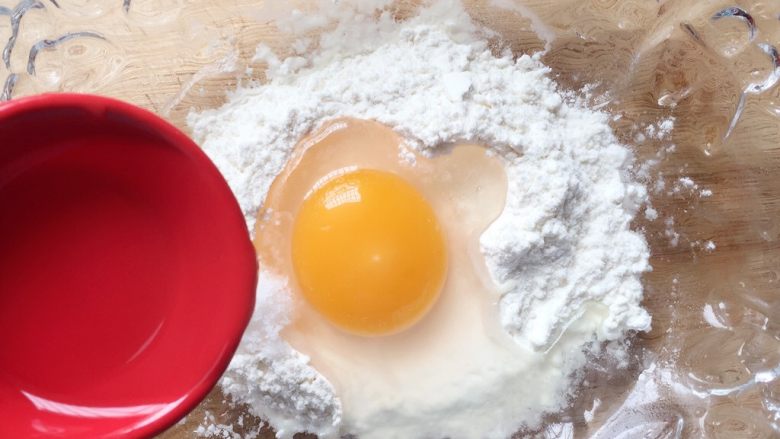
column 368, row 252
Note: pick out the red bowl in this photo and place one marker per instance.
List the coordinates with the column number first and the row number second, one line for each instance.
column 127, row 275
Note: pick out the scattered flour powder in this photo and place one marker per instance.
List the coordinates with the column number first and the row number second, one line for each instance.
column 562, row 250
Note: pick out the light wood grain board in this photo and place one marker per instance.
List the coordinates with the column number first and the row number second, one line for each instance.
column 644, row 61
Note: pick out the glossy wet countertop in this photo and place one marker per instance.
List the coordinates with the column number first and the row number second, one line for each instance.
column 709, row 367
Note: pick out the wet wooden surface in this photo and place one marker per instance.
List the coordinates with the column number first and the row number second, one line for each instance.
column 648, row 60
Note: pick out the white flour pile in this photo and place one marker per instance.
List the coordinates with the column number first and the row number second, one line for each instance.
column 561, row 251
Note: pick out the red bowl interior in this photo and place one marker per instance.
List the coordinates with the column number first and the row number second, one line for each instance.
column 127, row 275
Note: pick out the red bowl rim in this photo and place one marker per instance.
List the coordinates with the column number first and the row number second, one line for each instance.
column 178, row 139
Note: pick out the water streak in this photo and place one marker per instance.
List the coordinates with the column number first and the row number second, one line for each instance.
column 740, row 13
column 16, row 18
column 50, row 44
column 8, row 87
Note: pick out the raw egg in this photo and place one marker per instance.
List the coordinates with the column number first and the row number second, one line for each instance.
column 392, row 301
column 368, row 252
